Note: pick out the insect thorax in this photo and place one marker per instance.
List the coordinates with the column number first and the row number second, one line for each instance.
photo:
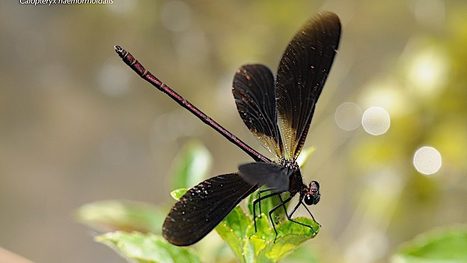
column 295, row 179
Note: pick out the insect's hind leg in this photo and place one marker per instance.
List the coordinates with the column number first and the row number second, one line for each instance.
column 259, row 200
column 282, row 204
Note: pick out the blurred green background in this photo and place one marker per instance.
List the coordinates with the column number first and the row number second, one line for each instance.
column 76, row 125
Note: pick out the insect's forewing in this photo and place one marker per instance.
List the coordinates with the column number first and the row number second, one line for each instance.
column 301, row 75
column 272, row 175
column 253, row 90
column 201, row 208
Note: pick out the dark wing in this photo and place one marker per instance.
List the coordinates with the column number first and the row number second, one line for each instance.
column 302, row 72
column 269, row 174
column 203, row 207
column 253, row 90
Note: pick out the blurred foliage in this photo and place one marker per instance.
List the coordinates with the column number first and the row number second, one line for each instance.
column 425, row 92
column 145, row 248
column 122, row 215
column 438, row 246
column 191, row 165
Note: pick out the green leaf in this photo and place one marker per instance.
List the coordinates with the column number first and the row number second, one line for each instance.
column 303, row 254
column 233, row 230
column 121, row 215
column 261, row 245
column 439, row 246
column 268, row 204
column 178, row 193
column 238, row 231
column 191, row 165
column 146, row 248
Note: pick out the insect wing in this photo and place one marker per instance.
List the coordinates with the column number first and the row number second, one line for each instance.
column 301, row 75
column 253, row 90
column 272, row 175
column 202, row 208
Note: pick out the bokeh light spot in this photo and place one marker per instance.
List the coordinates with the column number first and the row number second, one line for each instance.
column 427, row 72
column 387, row 93
column 376, row 121
column 427, row 160
column 348, row 116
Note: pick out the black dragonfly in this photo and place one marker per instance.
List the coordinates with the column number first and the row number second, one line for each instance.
column 278, row 112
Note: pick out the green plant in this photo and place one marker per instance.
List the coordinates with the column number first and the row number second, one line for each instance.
column 135, row 227
column 444, row 245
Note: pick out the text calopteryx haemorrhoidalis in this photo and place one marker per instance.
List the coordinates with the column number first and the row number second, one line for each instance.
column 278, row 112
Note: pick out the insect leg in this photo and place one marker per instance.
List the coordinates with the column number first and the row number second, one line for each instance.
column 310, row 213
column 259, row 203
column 282, row 204
column 259, row 200
column 289, row 217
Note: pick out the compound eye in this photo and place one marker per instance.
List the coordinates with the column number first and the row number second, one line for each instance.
column 308, row 200
column 316, row 199
column 311, row 199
